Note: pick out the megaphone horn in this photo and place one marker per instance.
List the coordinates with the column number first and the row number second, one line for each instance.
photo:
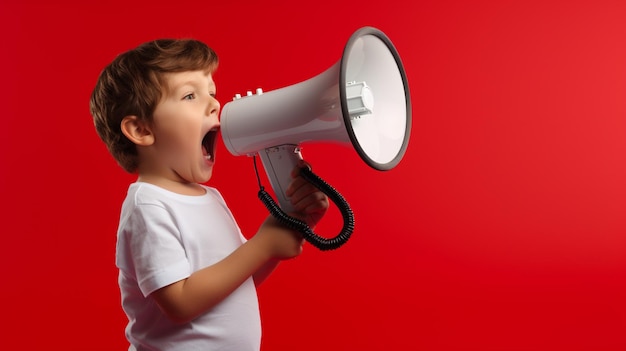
column 363, row 100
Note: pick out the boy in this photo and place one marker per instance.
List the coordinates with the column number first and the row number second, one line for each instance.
column 187, row 275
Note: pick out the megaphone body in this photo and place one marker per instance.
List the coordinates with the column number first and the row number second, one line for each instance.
column 362, row 101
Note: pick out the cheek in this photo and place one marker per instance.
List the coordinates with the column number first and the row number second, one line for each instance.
column 186, row 140
column 181, row 132
column 178, row 130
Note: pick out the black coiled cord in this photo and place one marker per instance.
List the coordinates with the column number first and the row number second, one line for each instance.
column 309, row 235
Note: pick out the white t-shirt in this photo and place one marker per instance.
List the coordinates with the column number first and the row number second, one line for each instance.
column 164, row 237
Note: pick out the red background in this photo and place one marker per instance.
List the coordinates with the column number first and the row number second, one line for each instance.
column 503, row 228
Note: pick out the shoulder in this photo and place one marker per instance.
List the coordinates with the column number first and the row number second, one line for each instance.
column 148, row 197
column 141, row 193
column 146, row 193
column 143, row 201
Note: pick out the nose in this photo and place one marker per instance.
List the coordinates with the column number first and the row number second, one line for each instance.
column 213, row 106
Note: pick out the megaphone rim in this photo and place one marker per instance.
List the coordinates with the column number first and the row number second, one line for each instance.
column 368, row 30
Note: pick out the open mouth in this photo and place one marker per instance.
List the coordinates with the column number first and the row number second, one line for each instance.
column 208, row 144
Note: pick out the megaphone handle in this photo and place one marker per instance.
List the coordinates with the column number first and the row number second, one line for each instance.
column 279, row 162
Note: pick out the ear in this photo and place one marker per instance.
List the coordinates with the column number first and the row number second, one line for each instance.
column 137, row 131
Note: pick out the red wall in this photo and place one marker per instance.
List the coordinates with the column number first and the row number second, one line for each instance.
column 504, row 227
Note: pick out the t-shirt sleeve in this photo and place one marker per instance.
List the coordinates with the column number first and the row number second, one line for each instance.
column 152, row 249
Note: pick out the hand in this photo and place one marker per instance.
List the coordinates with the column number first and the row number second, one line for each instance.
column 281, row 243
column 309, row 202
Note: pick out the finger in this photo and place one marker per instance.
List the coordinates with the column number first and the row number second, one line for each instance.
column 301, row 164
column 314, row 202
column 300, row 189
column 297, row 183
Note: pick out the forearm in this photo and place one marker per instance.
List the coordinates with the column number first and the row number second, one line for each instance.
column 185, row 300
column 188, row 298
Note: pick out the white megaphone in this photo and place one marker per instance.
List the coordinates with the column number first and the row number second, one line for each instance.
column 363, row 101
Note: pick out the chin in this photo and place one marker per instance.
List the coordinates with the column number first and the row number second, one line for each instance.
column 199, row 177
column 206, row 177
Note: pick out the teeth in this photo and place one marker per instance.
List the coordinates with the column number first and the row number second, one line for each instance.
column 208, row 157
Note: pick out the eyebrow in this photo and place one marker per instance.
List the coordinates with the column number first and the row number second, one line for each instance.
column 173, row 86
column 178, row 85
column 189, row 82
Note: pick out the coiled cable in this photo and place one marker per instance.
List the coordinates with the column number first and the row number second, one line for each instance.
column 309, row 235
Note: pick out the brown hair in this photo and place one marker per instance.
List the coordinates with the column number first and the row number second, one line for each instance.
column 133, row 85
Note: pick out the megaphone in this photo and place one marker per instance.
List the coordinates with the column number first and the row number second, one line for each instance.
column 362, row 101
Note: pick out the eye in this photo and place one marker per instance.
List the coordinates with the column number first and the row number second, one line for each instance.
column 189, row 96
column 212, row 94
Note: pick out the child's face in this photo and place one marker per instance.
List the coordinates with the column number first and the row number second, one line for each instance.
column 186, row 122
